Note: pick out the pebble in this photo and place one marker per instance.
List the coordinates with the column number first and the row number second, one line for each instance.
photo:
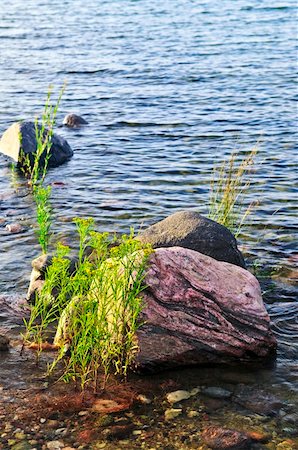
column 24, row 445
column 14, row 228
column 217, row 392
column 178, row 396
column 217, row 437
column 172, row 413
column 55, row 445
column 83, row 413
column 144, row 399
column 192, row 414
column 42, row 420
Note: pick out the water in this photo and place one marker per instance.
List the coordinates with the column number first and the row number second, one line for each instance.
column 168, row 88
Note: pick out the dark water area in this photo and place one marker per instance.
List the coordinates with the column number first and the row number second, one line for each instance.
column 169, row 89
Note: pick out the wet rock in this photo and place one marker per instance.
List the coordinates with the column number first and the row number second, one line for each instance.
column 189, row 229
column 21, row 136
column 217, row 392
column 4, row 343
column 214, row 404
column 172, row 413
column 199, row 310
column 14, row 228
column 225, row 439
column 118, row 432
column 55, row 445
column 144, row 399
column 74, row 121
column 259, row 402
column 24, row 445
column 178, row 396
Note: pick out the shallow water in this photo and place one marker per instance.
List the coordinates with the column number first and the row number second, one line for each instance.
column 168, row 89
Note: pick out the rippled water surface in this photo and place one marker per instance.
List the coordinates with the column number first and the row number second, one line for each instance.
column 169, row 89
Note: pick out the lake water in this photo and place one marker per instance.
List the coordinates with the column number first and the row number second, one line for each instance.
column 169, row 89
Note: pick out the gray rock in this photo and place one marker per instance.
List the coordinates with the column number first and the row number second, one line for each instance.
column 21, row 136
column 257, row 401
column 216, row 392
column 74, row 121
column 189, row 229
column 4, row 343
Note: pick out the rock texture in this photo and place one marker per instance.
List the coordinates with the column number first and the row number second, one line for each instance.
column 189, row 229
column 21, row 135
column 225, row 439
column 74, row 121
column 199, row 310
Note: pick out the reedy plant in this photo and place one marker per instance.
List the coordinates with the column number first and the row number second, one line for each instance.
column 95, row 308
column 229, row 186
column 35, row 166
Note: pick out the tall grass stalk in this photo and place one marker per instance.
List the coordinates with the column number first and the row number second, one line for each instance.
column 229, row 187
column 35, row 166
column 95, row 309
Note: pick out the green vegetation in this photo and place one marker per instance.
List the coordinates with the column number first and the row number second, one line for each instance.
column 35, row 166
column 228, row 188
column 93, row 307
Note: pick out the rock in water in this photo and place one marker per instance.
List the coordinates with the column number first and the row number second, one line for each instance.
column 189, row 229
column 74, row 121
column 21, row 136
column 198, row 310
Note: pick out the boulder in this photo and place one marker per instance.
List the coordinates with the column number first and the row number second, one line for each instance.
column 21, row 136
column 189, row 229
column 198, row 311
column 74, row 121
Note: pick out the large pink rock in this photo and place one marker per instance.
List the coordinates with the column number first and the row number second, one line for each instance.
column 199, row 310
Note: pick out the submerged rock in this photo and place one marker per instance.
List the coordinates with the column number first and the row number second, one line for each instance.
column 19, row 141
column 198, row 310
column 225, row 439
column 189, row 229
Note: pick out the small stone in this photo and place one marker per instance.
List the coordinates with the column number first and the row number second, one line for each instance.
column 14, row 228
column 192, row 414
column 83, row 413
column 42, row 420
column 24, row 445
column 225, row 439
column 20, row 435
column 285, row 445
column 118, row 431
column 178, row 396
column 144, row 399
column 172, row 413
column 61, row 430
column 217, row 392
column 51, row 423
column 55, row 445
column 137, row 432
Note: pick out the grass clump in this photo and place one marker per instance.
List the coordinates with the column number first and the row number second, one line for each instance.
column 229, row 186
column 93, row 308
